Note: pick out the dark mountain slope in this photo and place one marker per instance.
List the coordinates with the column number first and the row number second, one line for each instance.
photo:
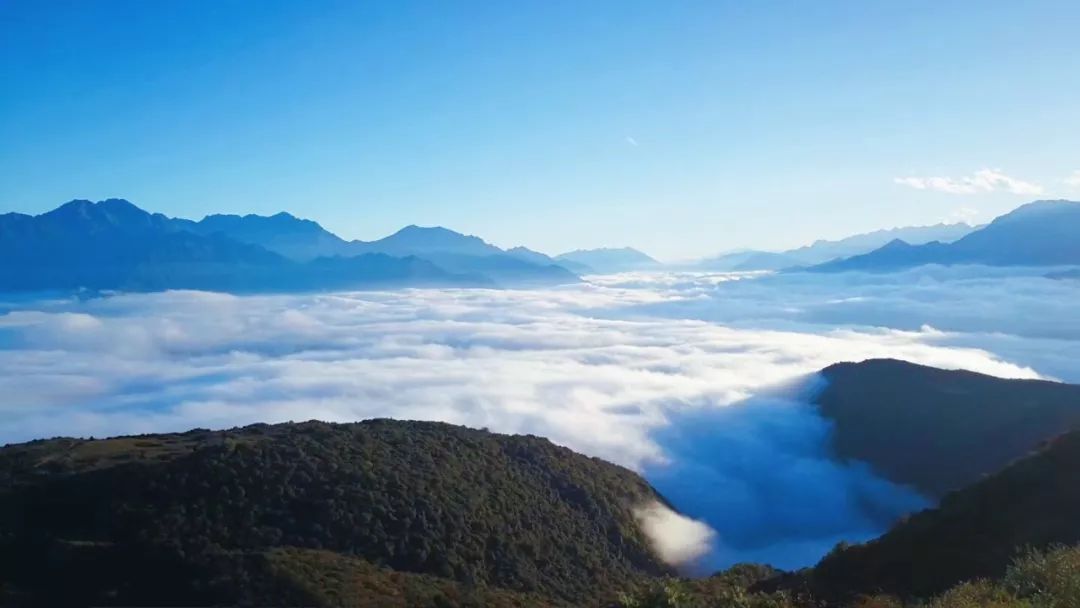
column 975, row 533
column 938, row 430
column 198, row 516
column 1042, row 233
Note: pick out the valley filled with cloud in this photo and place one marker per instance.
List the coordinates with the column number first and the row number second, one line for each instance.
column 699, row 381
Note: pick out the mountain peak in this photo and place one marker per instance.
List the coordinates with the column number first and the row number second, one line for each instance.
column 413, row 229
column 78, row 205
column 896, row 244
column 115, row 212
column 117, row 204
column 1039, row 208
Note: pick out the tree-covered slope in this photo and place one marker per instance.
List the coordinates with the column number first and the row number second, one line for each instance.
column 936, row 429
column 975, row 533
column 204, row 516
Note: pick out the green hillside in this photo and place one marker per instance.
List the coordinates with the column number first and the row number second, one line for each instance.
column 939, row 430
column 273, row 513
column 975, row 533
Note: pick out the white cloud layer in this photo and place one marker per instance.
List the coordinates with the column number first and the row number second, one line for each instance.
column 982, row 181
column 1073, row 180
column 663, row 373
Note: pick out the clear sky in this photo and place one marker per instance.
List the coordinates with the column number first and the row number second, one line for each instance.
column 683, row 128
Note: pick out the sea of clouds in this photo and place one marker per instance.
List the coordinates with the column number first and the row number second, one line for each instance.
column 698, row 381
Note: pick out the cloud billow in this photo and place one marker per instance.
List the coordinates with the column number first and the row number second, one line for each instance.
column 660, row 373
column 982, row 181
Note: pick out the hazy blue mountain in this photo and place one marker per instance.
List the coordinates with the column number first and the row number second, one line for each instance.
column 292, row 237
column 607, row 260
column 421, row 240
column 115, row 245
column 504, row 269
column 1043, row 233
column 748, row 260
column 823, row 251
column 524, row 253
column 305, row 240
column 576, row 267
column 467, row 254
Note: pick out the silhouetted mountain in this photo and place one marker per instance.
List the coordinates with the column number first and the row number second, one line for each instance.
column 822, row 251
column 468, row 254
column 301, row 514
column 975, row 533
column 607, row 260
column 419, row 240
column 524, row 253
column 304, row 240
column 503, row 269
column 1043, row 233
column 115, row 245
column 896, row 255
column 938, row 430
column 292, row 237
column 741, row 261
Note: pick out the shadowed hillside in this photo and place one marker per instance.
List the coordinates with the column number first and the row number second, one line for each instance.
column 300, row 512
column 976, row 532
column 936, row 429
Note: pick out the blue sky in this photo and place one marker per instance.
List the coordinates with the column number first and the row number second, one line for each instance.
column 683, row 128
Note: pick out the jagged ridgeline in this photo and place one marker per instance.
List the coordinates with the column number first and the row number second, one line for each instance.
column 374, row 513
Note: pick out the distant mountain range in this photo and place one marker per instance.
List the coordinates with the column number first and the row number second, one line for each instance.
column 114, row 245
column 606, row 260
column 456, row 253
column 823, row 251
column 1042, row 233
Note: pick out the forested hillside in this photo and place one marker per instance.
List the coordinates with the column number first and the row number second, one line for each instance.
column 939, row 430
column 305, row 512
column 975, row 533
